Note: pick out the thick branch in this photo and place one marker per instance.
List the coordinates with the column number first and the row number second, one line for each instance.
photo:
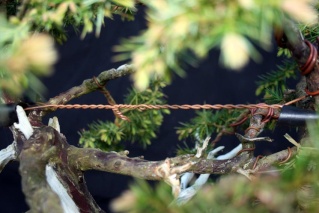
column 48, row 162
column 48, row 178
column 278, row 157
column 33, row 159
column 94, row 159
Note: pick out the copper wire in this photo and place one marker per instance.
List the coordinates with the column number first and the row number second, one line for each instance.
column 110, row 100
column 251, row 127
column 256, row 161
column 268, row 116
column 288, row 156
column 98, row 83
column 295, row 100
column 311, row 93
column 309, row 65
column 311, row 61
column 157, row 107
column 251, row 107
column 245, row 150
column 239, row 122
column 220, row 135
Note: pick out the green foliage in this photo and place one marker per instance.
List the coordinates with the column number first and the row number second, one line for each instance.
column 145, row 123
column 233, row 193
column 144, row 198
column 23, row 57
column 207, row 122
column 102, row 135
column 275, row 80
column 141, row 128
column 273, row 96
column 176, row 27
column 283, row 52
column 152, row 199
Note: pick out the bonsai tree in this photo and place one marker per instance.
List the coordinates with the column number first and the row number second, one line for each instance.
column 178, row 33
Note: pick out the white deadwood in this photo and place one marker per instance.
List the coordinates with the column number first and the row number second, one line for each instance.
column 187, row 193
column 54, row 123
column 24, row 125
column 67, row 202
column 7, row 155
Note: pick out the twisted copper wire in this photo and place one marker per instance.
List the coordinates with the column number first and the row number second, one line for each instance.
column 110, row 100
column 157, row 107
column 270, row 113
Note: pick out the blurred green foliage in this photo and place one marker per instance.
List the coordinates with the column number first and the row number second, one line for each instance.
column 176, row 27
column 24, row 21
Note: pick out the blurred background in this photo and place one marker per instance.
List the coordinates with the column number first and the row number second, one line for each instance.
column 82, row 59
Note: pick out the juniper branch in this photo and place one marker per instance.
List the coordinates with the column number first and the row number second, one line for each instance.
column 94, row 159
column 88, row 85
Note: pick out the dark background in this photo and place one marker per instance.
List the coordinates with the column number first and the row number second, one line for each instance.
column 82, row 59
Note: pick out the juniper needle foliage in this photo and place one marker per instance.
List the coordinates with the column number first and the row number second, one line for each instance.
column 141, row 128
